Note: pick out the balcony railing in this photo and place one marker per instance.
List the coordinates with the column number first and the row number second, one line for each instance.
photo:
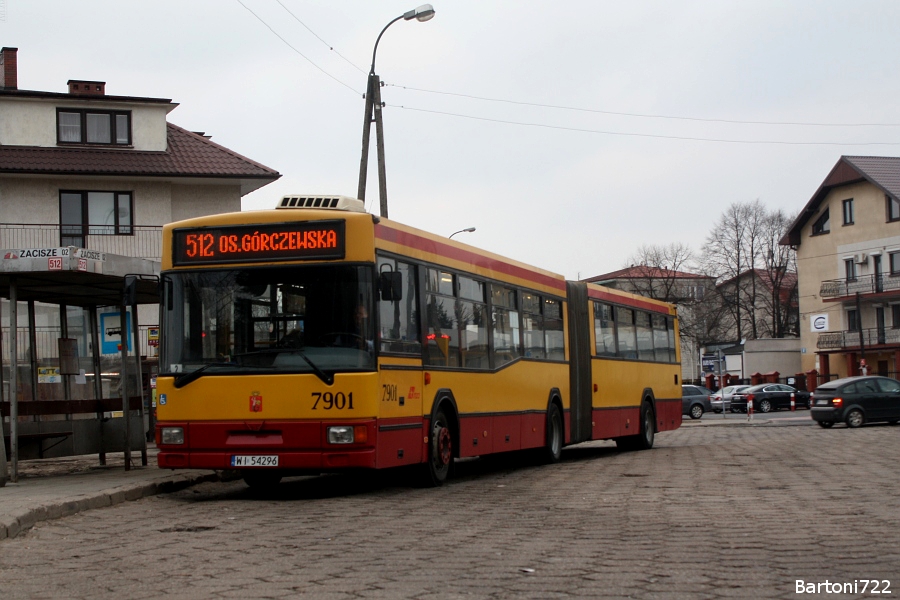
column 864, row 284
column 145, row 242
column 840, row 340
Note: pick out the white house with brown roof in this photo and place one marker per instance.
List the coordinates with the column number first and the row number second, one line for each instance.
column 847, row 239
column 87, row 180
column 86, row 169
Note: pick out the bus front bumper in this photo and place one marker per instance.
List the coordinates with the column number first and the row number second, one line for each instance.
column 298, row 445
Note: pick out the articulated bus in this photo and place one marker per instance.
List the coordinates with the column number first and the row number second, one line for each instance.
column 317, row 337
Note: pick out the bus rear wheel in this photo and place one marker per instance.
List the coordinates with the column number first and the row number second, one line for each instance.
column 644, row 439
column 440, row 451
column 555, row 434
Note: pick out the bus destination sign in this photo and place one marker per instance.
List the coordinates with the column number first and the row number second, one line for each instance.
column 261, row 242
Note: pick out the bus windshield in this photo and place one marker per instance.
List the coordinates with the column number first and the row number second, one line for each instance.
column 273, row 320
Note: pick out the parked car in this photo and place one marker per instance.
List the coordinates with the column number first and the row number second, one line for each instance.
column 718, row 405
column 856, row 401
column 695, row 401
column 767, row 397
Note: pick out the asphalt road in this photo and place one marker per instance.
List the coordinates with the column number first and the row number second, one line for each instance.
column 711, row 512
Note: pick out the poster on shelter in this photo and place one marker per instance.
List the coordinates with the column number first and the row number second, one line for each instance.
column 111, row 332
column 49, row 375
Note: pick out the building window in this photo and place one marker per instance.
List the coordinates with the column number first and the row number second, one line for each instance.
column 94, row 213
column 847, row 206
column 894, row 259
column 850, row 269
column 893, row 208
column 822, row 224
column 895, row 316
column 83, row 126
column 852, row 320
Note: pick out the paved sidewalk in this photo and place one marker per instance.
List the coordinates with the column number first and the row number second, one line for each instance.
column 58, row 487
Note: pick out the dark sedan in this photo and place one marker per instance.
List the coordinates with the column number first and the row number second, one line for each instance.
column 856, row 401
column 767, row 397
column 695, row 400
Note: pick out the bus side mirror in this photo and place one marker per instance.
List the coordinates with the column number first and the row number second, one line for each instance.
column 390, row 284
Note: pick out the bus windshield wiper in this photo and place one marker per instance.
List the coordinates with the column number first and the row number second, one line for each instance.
column 196, row 374
column 328, row 379
column 325, row 377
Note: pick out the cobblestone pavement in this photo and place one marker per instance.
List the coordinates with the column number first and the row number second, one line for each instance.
column 711, row 512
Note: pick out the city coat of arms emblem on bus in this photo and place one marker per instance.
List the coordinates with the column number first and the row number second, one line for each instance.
column 255, row 402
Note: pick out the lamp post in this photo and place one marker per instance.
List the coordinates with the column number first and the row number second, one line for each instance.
column 466, row 230
column 373, row 113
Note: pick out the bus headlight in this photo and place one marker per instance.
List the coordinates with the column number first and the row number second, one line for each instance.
column 172, row 435
column 342, row 434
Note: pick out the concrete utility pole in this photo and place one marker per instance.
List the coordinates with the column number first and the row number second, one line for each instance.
column 373, row 114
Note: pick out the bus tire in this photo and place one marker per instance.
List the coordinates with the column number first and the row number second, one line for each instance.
column 261, row 480
column 440, row 451
column 555, row 435
column 644, row 439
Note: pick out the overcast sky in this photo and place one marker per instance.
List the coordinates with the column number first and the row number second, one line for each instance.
column 572, row 191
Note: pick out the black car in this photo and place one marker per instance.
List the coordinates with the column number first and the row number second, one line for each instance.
column 695, row 400
column 857, row 400
column 767, row 397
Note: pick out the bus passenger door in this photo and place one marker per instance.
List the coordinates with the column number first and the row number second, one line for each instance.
column 401, row 378
column 400, row 429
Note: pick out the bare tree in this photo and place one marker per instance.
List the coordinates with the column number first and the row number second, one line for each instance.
column 669, row 273
column 657, row 272
column 780, row 277
column 745, row 239
column 723, row 254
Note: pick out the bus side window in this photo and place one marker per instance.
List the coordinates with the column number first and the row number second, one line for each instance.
column 398, row 316
column 553, row 330
column 505, row 319
column 533, row 326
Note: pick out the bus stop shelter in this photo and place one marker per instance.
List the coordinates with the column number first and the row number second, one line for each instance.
column 70, row 276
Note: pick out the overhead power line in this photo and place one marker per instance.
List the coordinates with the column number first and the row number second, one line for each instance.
column 645, row 135
column 288, row 44
column 330, row 47
column 578, row 109
column 640, row 115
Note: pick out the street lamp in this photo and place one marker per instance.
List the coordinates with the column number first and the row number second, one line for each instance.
column 373, row 113
column 466, row 230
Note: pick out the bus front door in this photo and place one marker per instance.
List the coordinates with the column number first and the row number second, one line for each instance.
column 400, row 423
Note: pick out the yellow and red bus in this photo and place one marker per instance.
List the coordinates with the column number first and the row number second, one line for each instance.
column 317, row 337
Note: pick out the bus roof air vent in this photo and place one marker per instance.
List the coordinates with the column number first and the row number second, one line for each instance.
column 323, row 202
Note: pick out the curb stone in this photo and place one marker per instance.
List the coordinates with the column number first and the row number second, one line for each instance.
column 100, row 499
